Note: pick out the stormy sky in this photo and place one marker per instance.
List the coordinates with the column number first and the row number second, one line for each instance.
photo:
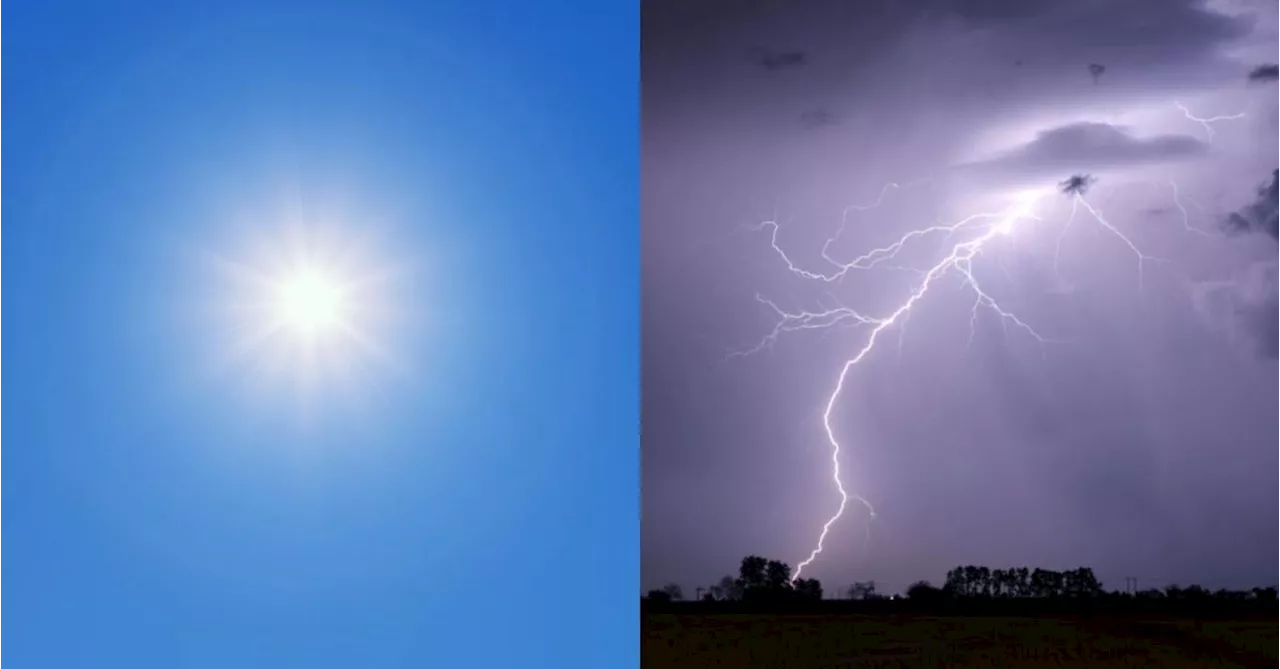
column 1140, row 439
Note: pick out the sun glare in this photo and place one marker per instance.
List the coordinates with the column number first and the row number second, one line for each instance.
column 312, row 307
column 310, row 303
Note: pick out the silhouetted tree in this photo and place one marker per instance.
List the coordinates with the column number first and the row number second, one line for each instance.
column 808, row 589
column 764, row 580
column 727, row 590
column 1230, row 595
column 1022, row 582
column 674, row 593
column 777, row 575
column 1189, row 593
column 967, row 581
column 1041, row 583
column 1195, row 592
column 925, row 592
column 1081, row 583
column 984, row 581
column 957, row 583
column 751, row 574
column 659, row 596
column 999, row 578
column 862, row 590
column 972, row 582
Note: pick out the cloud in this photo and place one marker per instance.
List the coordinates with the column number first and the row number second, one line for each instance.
column 699, row 56
column 1187, row 24
column 1086, row 146
column 1265, row 73
column 1246, row 308
column 1259, row 215
column 770, row 60
column 1076, row 184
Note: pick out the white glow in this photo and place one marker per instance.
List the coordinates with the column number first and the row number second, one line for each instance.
column 310, row 303
column 310, row 308
column 1023, row 209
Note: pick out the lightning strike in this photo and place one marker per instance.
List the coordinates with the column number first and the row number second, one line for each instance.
column 1106, row 225
column 986, row 227
column 1186, row 220
column 1207, row 123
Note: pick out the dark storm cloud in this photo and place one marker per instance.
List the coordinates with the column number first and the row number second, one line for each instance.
column 1265, row 73
column 1076, row 184
column 1170, row 22
column 1085, row 145
column 1119, row 35
column 1259, row 215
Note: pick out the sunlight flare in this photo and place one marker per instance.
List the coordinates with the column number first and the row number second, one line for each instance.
column 310, row 303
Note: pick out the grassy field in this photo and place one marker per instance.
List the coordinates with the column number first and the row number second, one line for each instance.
column 738, row 640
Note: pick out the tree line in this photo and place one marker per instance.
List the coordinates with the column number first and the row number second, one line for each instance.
column 759, row 580
column 765, row 581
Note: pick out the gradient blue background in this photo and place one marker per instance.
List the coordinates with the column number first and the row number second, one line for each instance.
column 487, row 511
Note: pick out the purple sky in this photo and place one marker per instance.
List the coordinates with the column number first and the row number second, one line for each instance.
column 1141, row 441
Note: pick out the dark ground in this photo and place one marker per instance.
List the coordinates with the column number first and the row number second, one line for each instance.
column 920, row 640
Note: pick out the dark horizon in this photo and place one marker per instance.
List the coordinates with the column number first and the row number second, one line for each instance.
column 841, row 591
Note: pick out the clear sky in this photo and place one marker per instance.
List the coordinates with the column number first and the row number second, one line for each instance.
column 1139, row 439
column 179, row 494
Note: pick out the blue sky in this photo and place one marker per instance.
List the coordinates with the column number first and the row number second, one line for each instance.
column 474, row 502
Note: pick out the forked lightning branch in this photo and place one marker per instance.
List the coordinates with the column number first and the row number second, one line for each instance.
column 968, row 240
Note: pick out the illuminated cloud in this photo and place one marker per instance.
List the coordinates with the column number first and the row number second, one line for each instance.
column 1084, row 146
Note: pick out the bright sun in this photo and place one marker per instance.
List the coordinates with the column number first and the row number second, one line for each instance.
column 310, row 306
column 310, row 303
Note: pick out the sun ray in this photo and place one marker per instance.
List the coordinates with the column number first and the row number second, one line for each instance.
column 305, row 309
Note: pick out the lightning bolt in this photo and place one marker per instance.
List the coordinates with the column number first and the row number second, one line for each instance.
column 1186, row 220
column 958, row 261
column 1207, row 122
